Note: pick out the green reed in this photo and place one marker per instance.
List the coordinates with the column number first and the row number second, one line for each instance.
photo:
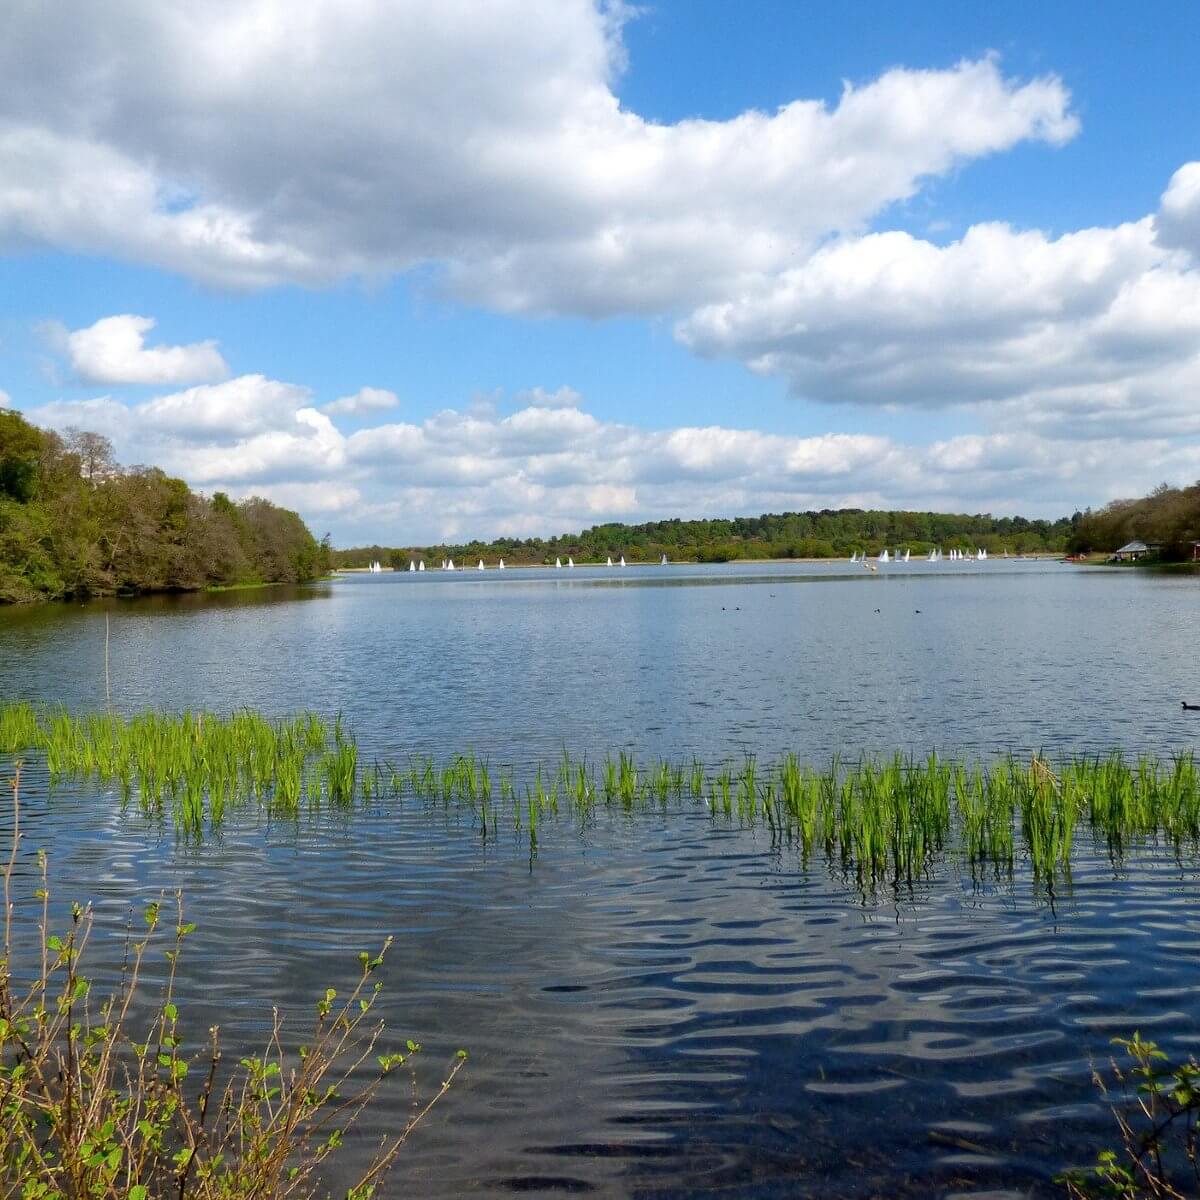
column 876, row 820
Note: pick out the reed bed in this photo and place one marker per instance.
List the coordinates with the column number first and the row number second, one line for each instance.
column 874, row 819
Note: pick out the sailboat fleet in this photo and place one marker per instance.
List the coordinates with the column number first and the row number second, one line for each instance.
column 934, row 555
column 886, row 555
column 447, row 564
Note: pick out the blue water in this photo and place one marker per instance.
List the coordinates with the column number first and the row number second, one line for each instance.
column 668, row 1004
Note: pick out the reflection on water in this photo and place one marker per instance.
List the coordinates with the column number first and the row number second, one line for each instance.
column 674, row 1004
column 668, row 661
column 671, row 1004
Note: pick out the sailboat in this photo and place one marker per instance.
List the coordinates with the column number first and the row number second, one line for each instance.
column 932, row 556
column 421, row 565
column 906, row 556
column 610, row 560
column 480, row 567
column 412, row 566
column 570, row 561
column 622, row 560
column 449, row 564
column 884, row 556
column 854, row 556
column 664, row 561
column 558, row 564
column 501, row 567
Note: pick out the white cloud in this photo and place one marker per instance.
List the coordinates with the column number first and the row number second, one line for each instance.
column 365, row 400
column 237, row 408
column 5, row 399
column 1101, row 325
column 114, row 351
column 1179, row 213
column 486, row 140
column 538, row 397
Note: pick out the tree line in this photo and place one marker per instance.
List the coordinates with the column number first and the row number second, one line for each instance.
column 1168, row 518
column 75, row 523
column 829, row 533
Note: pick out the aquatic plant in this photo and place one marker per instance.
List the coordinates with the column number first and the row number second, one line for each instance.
column 98, row 1101
column 874, row 821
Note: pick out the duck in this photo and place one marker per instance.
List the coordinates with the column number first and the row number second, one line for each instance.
column 1190, row 707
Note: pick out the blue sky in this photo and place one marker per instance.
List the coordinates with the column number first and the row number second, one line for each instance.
column 581, row 283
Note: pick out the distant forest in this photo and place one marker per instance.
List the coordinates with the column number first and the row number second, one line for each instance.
column 830, row 533
column 1169, row 518
column 73, row 523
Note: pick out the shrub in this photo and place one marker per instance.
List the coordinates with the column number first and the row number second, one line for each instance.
column 99, row 1102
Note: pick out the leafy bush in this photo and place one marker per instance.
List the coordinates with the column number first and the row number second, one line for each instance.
column 1157, row 1109
column 100, row 1102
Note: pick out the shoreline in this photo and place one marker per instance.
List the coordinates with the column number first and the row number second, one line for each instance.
column 676, row 562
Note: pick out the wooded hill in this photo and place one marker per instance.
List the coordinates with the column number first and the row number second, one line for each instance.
column 830, row 533
column 74, row 523
column 1169, row 517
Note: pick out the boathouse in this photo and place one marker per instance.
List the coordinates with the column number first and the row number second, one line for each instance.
column 1131, row 552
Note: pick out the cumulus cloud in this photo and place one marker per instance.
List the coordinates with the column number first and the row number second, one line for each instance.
column 365, row 400
column 539, row 397
column 237, row 408
column 463, row 472
column 1179, row 212
column 1102, row 324
column 486, row 140
column 114, row 351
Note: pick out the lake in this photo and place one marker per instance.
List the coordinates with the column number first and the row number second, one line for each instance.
column 670, row 1003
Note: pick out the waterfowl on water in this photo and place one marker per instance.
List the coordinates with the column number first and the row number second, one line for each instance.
column 1190, row 707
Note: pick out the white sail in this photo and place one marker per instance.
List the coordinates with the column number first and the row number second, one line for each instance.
column 883, row 555
column 570, row 561
column 449, row 564
column 421, row 565
column 664, row 561
column 854, row 556
column 906, row 553
column 622, row 560
column 412, row 566
column 557, row 563
column 501, row 567
column 480, row 567
column 610, row 560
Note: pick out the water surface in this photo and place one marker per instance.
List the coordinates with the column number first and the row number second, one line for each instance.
column 668, row 1004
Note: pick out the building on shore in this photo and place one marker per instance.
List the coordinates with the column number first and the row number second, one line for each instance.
column 1132, row 551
